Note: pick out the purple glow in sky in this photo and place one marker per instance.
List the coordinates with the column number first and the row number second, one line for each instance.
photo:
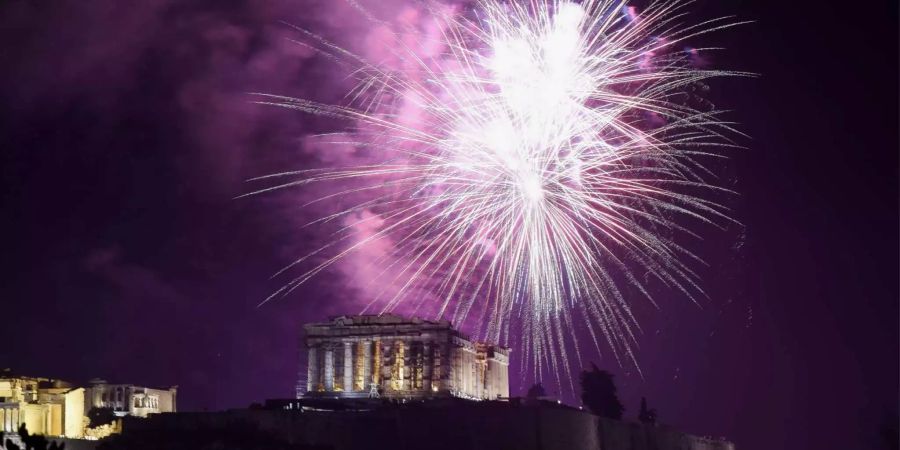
column 528, row 171
column 126, row 132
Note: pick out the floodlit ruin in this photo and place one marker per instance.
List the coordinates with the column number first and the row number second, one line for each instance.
column 396, row 357
column 56, row 408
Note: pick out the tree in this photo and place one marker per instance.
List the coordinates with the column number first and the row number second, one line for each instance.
column 598, row 393
column 646, row 416
column 536, row 391
column 101, row 416
column 32, row 442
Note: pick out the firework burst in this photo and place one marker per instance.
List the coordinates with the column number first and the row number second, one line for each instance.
column 550, row 162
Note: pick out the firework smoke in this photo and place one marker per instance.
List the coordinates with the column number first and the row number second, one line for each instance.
column 526, row 160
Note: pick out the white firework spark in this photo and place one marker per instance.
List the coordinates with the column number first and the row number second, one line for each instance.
column 552, row 159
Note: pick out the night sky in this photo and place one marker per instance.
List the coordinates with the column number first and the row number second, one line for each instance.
column 126, row 132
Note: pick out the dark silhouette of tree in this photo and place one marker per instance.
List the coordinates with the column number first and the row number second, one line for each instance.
column 32, row 442
column 101, row 416
column 598, row 393
column 536, row 391
column 646, row 416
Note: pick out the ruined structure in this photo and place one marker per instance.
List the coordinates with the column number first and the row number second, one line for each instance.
column 46, row 406
column 396, row 357
column 56, row 408
column 128, row 399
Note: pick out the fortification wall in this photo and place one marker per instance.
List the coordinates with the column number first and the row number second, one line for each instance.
column 469, row 425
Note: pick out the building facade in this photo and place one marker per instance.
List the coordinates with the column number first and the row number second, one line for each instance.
column 59, row 409
column 131, row 400
column 45, row 406
column 396, row 357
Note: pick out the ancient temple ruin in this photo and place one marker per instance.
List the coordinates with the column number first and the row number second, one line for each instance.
column 397, row 357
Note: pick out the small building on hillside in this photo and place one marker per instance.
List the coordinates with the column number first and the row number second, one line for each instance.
column 128, row 399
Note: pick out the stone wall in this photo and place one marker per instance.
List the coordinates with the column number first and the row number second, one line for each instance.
column 438, row 425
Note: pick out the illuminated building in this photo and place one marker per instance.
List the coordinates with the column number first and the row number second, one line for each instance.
column 59, row 409
column 45, row 406
column 128, row 399
column 396, row 357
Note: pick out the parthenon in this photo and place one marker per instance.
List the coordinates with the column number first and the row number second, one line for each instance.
column 396, row 357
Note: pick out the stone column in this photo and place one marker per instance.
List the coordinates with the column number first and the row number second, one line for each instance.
column 329, row 368
column 505, row 380
column 348, row 366
column 426, row 367
column 312, row 370
column 387, row 360
column 367, row 364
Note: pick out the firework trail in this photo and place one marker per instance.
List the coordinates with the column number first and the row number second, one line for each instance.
column 551, row 161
